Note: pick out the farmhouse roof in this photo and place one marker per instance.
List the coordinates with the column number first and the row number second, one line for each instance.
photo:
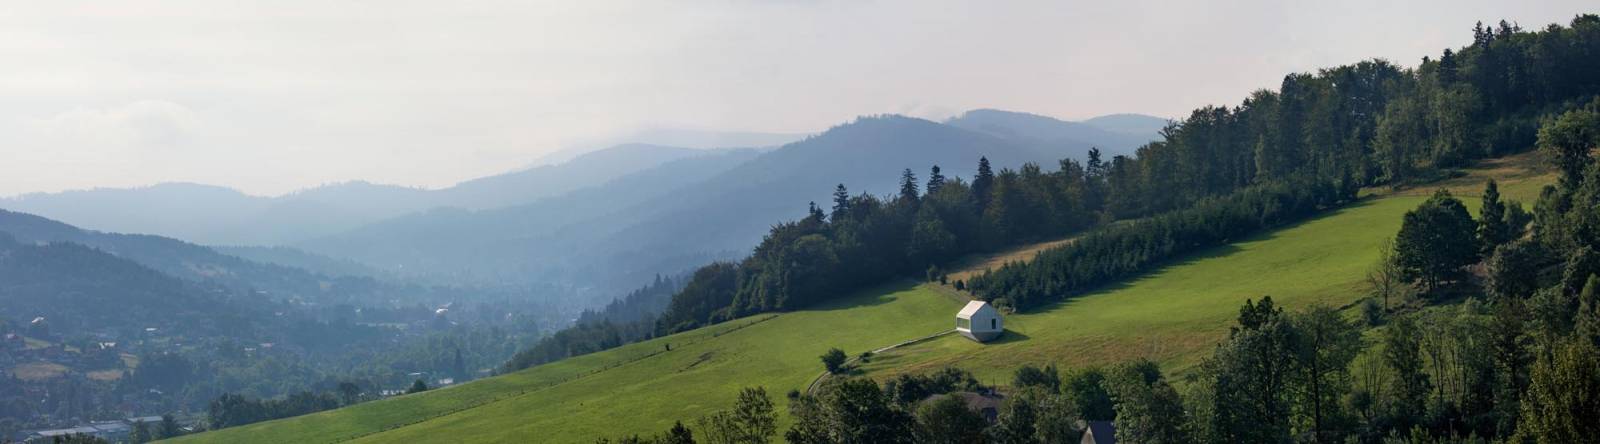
column 972, row 308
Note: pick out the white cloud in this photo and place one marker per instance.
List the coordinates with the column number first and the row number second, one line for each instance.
column 143, row 124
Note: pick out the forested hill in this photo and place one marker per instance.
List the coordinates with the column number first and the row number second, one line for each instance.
column 1306, row 146
column 198, row 263
column 77, row 289
column 681, row 214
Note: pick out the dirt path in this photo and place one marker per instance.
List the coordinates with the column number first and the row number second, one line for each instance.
column 812, row 389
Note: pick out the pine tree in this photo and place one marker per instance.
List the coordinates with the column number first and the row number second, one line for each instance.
column 935, row 181
column 841, row 203
column 983, row 182
column 908, row 186
column 1492, row 229
column 678, row 435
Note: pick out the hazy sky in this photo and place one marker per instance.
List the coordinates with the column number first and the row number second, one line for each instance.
column 280, row 95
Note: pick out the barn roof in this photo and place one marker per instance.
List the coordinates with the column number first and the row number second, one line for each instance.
column 972, row 309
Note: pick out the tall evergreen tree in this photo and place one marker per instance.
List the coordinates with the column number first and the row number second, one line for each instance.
column 1492, row 228
column 841, row 203
column 982, row 183
column 908, row 186
column 935, row 180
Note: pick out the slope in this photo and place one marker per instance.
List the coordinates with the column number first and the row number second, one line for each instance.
column 196, row 263
column 1172, row 315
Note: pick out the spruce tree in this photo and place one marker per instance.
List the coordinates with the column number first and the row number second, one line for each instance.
column 1492, row 229
column 935, row 180
column 908, row 186
column 841, row 202
column 983, row 182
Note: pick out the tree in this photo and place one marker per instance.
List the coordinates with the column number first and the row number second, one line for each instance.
column 1030, row 376
column 1513, row 270
column 678, row 434
column 1586, row 323
column 848, row 410
column 935, row 181
column 755, row 421
column 947, row 420
column 1563, row 399
column 349, row 392
column 1493, row 230
column 908, row 186
column 1326, row 346
column 1250, row 376
column 1402, row 353
column 169, row 427
column 1086, row 388
column 833, row 360
column 841, row 203
column 1148, row 409
column 1509, row 345
column 982, row 183
column 1386, row 278
column 1436, row 240
column 417, row 387
column 141, row 433
column 1568, row 139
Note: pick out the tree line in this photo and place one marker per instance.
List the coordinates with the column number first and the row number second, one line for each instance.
column 1304, row 146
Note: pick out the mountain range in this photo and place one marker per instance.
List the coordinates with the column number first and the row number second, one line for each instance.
column 605, row 220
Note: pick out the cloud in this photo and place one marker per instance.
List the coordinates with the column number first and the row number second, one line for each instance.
column 137, row 125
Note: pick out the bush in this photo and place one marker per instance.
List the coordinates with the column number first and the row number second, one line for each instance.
column 833, row 360
column 1371, row 312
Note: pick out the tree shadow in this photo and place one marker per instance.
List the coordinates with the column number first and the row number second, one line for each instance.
column 866, row 297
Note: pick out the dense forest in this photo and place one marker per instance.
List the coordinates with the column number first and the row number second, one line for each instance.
column 1279, row 156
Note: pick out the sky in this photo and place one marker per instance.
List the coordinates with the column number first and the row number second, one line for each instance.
column 274, row 96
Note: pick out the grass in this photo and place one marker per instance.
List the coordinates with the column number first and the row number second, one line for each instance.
column 38, row 371
column 638, row 388
column 1173, row 315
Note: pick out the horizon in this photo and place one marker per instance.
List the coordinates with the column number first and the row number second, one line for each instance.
column 269, row 100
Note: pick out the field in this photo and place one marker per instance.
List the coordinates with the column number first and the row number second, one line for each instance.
column 38, row 371
column 1173, row 315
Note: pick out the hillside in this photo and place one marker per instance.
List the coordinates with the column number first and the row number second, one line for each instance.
column 1173, row 315
column 196, row 263
column 684, row 214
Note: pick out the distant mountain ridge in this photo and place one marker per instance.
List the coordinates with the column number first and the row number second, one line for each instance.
column 196, row 263
column 1114, row 135
column 611, row 218
column 218, row 215
column 638, row 225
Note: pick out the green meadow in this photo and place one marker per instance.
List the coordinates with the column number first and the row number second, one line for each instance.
column 1173, row 315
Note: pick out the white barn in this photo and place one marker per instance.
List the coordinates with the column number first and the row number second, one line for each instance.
column 979, row 321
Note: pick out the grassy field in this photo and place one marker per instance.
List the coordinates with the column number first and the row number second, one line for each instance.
column 1173, row 315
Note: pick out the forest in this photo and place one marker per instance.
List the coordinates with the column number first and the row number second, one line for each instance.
column 1281, row 154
